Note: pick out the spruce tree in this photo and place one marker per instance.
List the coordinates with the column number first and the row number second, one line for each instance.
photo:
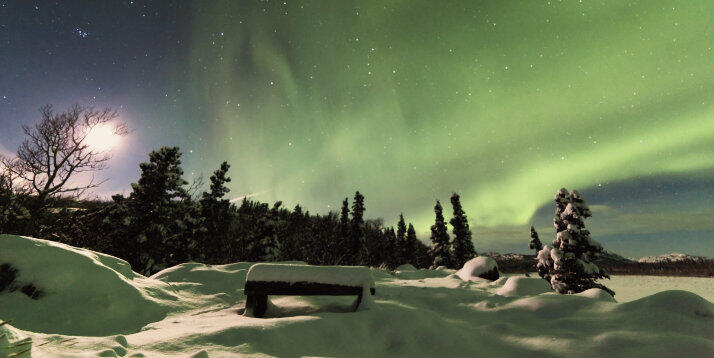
column 535, row 243
column 391, row 255
column 441, row 249
column 411, row 247
column 162, row 220
column 218, row 216
column 568, row 265
column 344, row 214
column 463, row 246
column 263, row 244
column 357, row 245
column 292, row 244
column 401, row 243
column 345, row 241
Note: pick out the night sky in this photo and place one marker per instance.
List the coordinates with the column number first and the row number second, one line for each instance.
column 503, row 102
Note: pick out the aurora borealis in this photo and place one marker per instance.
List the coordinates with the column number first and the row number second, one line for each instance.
column 406, row 101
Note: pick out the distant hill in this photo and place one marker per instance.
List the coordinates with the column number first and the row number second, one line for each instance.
column 672, row 257
column 673, row 264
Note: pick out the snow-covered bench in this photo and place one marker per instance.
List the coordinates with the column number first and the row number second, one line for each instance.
column 264, row 279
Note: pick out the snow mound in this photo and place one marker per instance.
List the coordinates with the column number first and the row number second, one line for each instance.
column 85, row 293
column 405, row 267
column 673, row 303
column 481, row 267
column 222, row 281
column 596, row 293
column 523, row 286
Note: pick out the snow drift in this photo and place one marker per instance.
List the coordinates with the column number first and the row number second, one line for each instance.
column 194, row 310
column 479, row 267
column 524, row 286
column 85, row 292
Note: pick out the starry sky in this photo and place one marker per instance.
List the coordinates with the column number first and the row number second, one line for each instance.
column 407, row 101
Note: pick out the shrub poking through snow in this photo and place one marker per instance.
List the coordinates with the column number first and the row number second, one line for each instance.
column 441, row 251
column 568, row 265
column 8, row 282
column 8, row 274
column 463, row 246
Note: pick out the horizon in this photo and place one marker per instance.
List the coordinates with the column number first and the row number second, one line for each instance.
column 503, row 104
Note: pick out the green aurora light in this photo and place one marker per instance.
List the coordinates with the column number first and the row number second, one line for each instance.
column 408, row 101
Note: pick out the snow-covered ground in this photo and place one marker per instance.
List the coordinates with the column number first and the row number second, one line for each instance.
column 94, row 306
column 630, row 288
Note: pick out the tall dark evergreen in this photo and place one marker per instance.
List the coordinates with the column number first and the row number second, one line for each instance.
column 440, row 251
column 357, row 244
column 568, row 265
column 263, row 243
column 535, row 243
column 292, row 238
column 345, row 213
column 163, row 221
column 391, row 256
column 411, row 247
column 462, row 244
column 401, row 242
column 218, row 217
column 345, row 240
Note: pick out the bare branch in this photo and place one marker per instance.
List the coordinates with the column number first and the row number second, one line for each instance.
column 56, row 150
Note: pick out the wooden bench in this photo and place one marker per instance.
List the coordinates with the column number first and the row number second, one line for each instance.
column 263, row 280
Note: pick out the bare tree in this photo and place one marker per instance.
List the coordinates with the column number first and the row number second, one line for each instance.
column 56, row 150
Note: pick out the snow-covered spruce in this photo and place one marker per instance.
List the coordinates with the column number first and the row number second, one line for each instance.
column 568, row 265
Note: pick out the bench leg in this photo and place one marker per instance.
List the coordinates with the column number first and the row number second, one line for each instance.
column 358, row 302
column 258, row 304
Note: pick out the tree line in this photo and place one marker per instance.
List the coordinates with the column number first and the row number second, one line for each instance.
column 164, row 221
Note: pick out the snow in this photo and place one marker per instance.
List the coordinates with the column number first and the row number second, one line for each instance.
column 475, row 267
column 425, row 313
column 86, row 293
column 406, row 267
column 630, row 288
column 335, row 275
column 523, row 286
column 596, row 293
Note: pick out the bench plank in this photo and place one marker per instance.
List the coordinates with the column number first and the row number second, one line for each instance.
column 300, row 289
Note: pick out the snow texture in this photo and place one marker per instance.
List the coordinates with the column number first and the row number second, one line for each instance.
column 524, row 286
column 431, row 313
column 475, row 267
column 85, row 292
column 355, row 276
column 406, row 267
